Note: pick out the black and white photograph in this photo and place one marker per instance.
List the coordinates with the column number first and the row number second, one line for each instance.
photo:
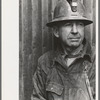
column 57, row 50
column 49, row 50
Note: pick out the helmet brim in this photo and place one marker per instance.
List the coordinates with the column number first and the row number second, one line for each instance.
column 57, row 22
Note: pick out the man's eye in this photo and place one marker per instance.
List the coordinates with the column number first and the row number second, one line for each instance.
column 81, row 24
column 68, row 24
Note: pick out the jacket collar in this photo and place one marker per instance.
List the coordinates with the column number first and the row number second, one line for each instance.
column 85, row 51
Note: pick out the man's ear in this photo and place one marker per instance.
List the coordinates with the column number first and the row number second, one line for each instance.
column 55, row 31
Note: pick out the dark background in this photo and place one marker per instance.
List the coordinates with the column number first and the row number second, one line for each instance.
column 35, row 38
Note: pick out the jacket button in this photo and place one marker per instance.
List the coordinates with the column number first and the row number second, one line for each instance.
column 51, row 88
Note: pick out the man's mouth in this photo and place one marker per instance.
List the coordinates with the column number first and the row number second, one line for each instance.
column 75, row 39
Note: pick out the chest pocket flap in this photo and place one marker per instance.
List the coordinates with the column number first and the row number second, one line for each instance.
column 55, row 88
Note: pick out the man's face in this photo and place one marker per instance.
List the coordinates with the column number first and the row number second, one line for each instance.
column 71, row 33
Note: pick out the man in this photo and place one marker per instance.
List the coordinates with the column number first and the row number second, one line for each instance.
column 66, row 73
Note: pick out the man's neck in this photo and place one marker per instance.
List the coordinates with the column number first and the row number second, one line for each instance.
column 72, row 50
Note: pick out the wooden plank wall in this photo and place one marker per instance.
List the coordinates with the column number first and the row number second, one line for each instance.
column 35, row 38
column 90, row 14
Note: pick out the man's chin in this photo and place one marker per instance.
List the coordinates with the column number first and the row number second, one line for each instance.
column 74, row 45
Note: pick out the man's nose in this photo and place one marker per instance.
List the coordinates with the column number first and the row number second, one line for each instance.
column 74, row 29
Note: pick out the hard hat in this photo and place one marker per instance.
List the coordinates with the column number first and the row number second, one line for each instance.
column 69, row 11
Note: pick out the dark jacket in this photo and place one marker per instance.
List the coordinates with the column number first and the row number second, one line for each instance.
column 54, row 80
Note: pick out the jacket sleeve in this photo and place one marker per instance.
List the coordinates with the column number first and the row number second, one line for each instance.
column 92, row 76
column 39, row 78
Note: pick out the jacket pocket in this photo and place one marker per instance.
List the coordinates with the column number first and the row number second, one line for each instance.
column 55, row 88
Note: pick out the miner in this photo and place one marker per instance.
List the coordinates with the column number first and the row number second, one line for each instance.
column 67, row 73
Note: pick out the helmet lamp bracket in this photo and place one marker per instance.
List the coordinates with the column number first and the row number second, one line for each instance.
column 74, row 5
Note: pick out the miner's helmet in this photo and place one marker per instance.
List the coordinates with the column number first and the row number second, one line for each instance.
column 69, row 10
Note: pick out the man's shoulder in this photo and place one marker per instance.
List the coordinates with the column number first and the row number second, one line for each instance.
column 49, row 55
column 45, row 61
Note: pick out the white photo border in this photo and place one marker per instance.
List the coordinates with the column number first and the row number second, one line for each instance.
column 10, row 50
